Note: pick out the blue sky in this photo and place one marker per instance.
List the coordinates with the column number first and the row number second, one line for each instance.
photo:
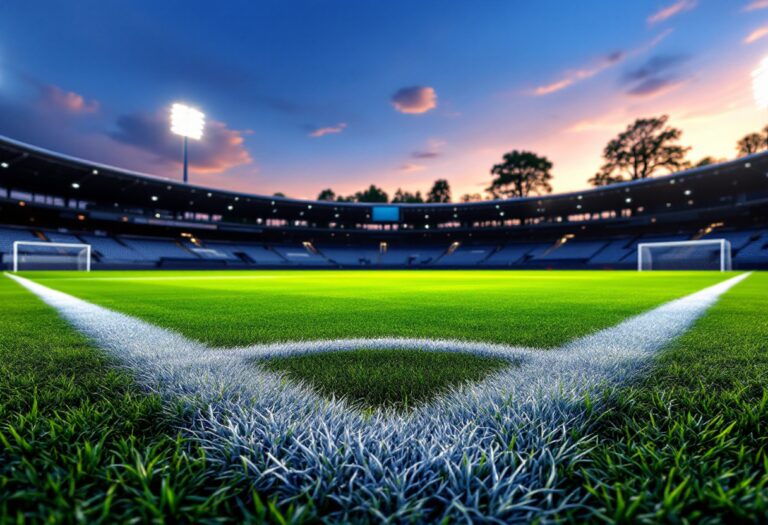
column 304, row 95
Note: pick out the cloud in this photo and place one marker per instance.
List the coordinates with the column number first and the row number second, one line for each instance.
column 756, row 35
column 575, row 75
column 412, row 167
column 220, row 149
column 320, row 132
column 431, row 152
column 415, row 100
column 55, row 98
column 755, row 6
column 658, row 74
column 671, row 10
column 606, row 62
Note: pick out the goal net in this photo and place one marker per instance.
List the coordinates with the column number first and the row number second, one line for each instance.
column 31, row 255
column 710, row 254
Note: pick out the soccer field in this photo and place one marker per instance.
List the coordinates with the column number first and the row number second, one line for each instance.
column 299, row 395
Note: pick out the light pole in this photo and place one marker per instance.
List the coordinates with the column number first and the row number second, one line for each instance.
column 189, row 123
column 760, row 84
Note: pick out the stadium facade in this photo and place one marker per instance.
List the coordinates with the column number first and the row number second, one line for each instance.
column 134, row 220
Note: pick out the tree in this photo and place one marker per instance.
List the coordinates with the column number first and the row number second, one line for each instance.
column 406, row 196
column 372, row 194
column 349, row 198
column 706, row 161
column 440, row 192
column 278, row 194
column 521, row 174
column 327, row 195
column 646, row 146
column 752, row 143
column 604, row 179
column 471, row 197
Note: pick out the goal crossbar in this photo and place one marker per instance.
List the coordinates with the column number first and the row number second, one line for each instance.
column 16, row 244
column 724, row 244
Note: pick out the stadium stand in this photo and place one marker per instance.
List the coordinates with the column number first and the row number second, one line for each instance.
column 46, row 196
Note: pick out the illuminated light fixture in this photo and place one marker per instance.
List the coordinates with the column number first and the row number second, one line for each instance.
column 189, row 123
column 75, row 185
column 628, row 200
column 687, row 192
column 95, row 172
column 3, row 165
column 157, row 215
column 154, row 198
column 210, row 194
column 230, row 207
column 760, row 84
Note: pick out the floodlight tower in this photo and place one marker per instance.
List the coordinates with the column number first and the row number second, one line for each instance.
column 760, row 84
column 187, row 122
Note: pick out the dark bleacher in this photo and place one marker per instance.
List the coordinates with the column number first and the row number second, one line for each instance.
column 749, row 249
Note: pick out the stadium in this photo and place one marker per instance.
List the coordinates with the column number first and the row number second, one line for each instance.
column 177, row 346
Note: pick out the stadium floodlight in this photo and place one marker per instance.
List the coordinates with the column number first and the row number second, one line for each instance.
column 760, row 84
column 38, row 255
column 189, row 123
column 703, row 254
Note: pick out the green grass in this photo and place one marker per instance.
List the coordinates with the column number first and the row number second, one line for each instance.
column 399, row 379
column 80, row 443
column 689, row 442
column 540, row 308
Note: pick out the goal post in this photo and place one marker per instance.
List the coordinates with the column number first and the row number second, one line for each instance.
column 708, row 254
column 41, row 255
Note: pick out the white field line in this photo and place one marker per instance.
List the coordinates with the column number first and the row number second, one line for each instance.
column 487, row 452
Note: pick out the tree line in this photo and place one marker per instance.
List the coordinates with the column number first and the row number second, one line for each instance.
column 644, row 148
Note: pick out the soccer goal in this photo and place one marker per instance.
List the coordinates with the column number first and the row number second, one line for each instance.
column 33, row 255
column 709, row 254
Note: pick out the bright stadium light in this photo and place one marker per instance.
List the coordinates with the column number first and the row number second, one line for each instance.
column 189, row 123
column 760, row 84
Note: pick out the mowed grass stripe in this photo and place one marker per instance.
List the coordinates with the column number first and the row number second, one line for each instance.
column 538, row 308
column 689, row 442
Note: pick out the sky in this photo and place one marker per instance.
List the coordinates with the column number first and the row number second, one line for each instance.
column 305, row 95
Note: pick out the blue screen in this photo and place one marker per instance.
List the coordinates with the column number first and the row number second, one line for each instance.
column 386, row 214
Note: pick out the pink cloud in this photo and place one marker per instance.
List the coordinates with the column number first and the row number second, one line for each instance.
column 415, row 100
column 606, row 62
column 671, row 10
column 756, row 35
column 220, row 148
column 411, row 168
column 320, row 132
column 56, row 98
column 756, row 5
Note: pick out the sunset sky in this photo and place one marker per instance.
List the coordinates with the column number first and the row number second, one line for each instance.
column 305, row 95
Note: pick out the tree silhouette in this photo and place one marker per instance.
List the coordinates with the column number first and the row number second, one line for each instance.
column 440, row 192
column 278, row 194
column 327, row 195
column 406, row 196
column 372, row 194
column 646, row 146
column 471, row 197
column 521, row 174
column 706, row 161
column 752, row 143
